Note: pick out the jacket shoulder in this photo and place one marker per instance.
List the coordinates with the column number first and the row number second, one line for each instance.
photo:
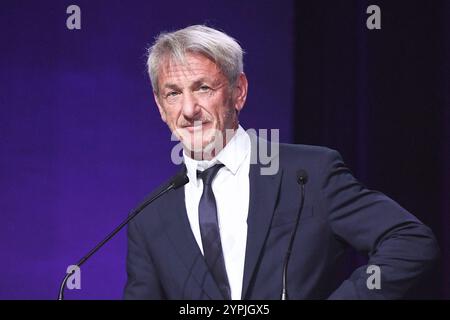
column 307, row 152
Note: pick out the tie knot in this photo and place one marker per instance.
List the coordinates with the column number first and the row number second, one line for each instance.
column 208, row 175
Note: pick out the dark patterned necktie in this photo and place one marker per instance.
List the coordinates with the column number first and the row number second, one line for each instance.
column 209, row 228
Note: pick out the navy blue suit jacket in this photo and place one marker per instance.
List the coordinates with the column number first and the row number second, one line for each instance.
column 165, row 262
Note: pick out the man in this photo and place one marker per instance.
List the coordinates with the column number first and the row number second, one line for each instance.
column 225, row 234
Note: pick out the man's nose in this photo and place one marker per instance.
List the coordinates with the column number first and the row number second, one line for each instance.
column 190, row 107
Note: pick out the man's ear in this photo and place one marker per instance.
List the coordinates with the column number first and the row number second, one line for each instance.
column 162, row 112
column 240, row 92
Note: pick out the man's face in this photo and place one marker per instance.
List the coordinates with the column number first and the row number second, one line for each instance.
column 196, row 101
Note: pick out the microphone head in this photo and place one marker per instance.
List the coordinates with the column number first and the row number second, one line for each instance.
column 302, row 176
column 180, row 180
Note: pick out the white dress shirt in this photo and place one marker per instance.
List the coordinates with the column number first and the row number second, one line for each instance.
column 231, row 189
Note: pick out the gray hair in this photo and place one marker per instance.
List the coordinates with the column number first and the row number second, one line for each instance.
column 216, row 45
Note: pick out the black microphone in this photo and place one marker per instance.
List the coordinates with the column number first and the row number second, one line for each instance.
column 178, row 181
column 302, row 179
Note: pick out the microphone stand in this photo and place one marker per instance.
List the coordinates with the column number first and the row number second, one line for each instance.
column 177, row 182
column 302, row 178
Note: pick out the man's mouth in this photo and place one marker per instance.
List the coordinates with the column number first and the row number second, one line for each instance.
column 197, row 126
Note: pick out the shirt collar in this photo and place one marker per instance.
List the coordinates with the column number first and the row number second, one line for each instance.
column 231, row 156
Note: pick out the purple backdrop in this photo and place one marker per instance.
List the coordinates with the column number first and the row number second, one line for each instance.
column 81, row 140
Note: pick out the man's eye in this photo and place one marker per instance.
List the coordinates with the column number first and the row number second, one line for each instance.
column 171, row 94
column 204, row 88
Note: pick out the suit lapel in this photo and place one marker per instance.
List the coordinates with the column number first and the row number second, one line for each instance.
column 177, row 227
column 264, row 191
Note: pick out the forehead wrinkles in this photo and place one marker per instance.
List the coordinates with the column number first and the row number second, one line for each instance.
column 191, row 69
